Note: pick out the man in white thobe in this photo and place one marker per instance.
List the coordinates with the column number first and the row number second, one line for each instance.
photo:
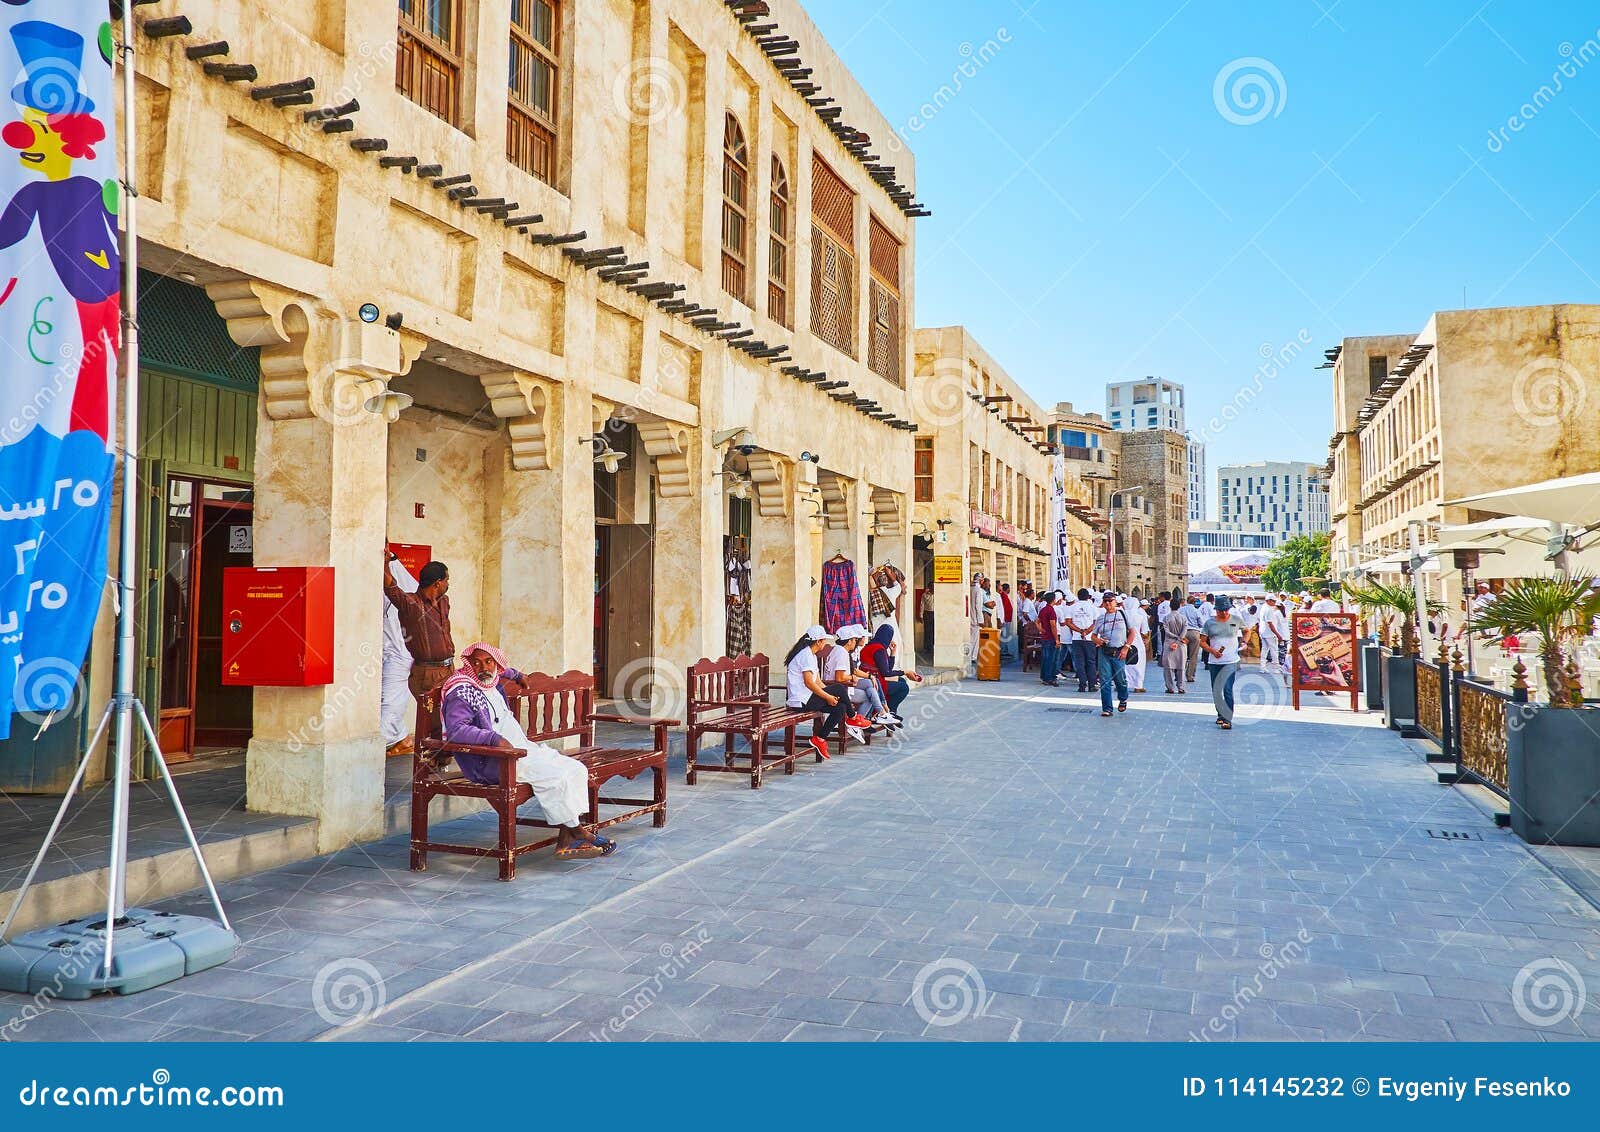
column 393, row 695
column 475, row 713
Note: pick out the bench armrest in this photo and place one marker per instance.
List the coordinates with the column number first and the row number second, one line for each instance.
column 600, row 717
column 701, row 705
column 445, row 747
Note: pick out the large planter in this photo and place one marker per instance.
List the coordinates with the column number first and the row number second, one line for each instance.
column 1372, row 674
column 1553, row 774
column 1400, row 695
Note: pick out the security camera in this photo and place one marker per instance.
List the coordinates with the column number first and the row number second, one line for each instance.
column 811, row 457
column 743, row 440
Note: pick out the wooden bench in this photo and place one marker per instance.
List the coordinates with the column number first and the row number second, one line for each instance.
column 732, row 698
column 1032, row 647
column 550, row 708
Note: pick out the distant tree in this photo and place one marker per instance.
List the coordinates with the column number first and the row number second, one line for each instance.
column 1299, row 562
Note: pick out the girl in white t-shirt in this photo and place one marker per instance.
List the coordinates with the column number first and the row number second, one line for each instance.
column 808, row 692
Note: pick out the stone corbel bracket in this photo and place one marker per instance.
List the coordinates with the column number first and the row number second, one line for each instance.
column 667, row 443
column 769, row 477
column 314, row 362
column 886, row 511
column 835, row 491
column 523, row 402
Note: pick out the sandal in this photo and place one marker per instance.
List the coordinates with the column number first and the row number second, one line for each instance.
column 594, row 846
column 1225, row 725
column 1123, row 706
column 1105, row 715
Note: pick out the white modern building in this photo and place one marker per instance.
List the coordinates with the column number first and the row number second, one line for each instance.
column 1156, row 403
column 1284, row 497
column 1197, row 479
column 1212, row 536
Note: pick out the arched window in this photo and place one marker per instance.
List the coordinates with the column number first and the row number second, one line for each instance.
column 1138, row 541
column 735, row 209
column 778, row 246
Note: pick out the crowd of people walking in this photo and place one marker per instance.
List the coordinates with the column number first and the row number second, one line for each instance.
column 1105, row 640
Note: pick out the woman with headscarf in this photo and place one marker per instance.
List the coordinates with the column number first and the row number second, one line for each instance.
column 877, row 657
column 475, row 712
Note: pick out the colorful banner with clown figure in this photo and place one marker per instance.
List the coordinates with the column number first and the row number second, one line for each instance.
column 60, row 297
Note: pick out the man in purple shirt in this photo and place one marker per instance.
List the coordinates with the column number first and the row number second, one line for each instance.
column 475, row 712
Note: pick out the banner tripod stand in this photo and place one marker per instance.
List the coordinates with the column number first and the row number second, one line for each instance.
column 129, row 949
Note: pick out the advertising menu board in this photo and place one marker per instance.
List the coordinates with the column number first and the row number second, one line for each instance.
column 1323, row 656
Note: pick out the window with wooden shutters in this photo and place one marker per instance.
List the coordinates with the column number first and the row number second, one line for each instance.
column 428, row 59
column 922, row 469
column 833, row 260
column 735, row 210
column 778, row 246
column 531, row 103
column 883, row 354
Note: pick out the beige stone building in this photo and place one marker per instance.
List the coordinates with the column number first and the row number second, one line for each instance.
column 639, row 316
column 1478, row 401
column 982, row 483
column 1122, row 510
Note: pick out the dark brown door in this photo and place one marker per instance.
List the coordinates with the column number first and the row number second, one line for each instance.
column 629, row 610
column 222, row 712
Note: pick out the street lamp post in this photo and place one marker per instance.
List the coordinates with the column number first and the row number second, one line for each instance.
column 1127, row 541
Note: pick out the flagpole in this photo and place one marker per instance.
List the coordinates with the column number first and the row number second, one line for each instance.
column 173, row 945
column 122, row 695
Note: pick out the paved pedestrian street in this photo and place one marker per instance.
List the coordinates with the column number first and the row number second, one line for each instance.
column 1017, row 869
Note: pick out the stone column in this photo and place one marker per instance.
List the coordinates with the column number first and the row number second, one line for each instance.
column 689, row 615
column 780, row 549
column 319, row 501
column 539, row 569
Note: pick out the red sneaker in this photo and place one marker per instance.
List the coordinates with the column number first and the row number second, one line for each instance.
column 820, row 746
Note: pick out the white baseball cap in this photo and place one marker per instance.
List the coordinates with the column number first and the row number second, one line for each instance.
column 818, row 633
column 851, row 632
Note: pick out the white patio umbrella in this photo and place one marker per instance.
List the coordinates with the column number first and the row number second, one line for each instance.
column 1571, row 499
column 1514, row 547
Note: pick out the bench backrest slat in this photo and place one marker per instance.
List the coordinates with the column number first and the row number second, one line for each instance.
column 555, row 707
column 728, row 679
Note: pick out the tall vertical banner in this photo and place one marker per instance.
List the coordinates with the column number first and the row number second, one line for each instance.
column 1060, row 548
column 60, row 304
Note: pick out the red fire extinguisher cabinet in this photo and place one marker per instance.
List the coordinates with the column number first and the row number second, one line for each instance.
column 277, row 626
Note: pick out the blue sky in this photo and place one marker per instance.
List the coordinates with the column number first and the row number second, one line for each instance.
column 1101, row 212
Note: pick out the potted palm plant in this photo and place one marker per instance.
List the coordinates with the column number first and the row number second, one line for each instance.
column 1360, row 595
column 1400, row 676
column 1553, row 748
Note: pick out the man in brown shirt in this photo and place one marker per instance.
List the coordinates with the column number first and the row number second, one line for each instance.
column 425, row 621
